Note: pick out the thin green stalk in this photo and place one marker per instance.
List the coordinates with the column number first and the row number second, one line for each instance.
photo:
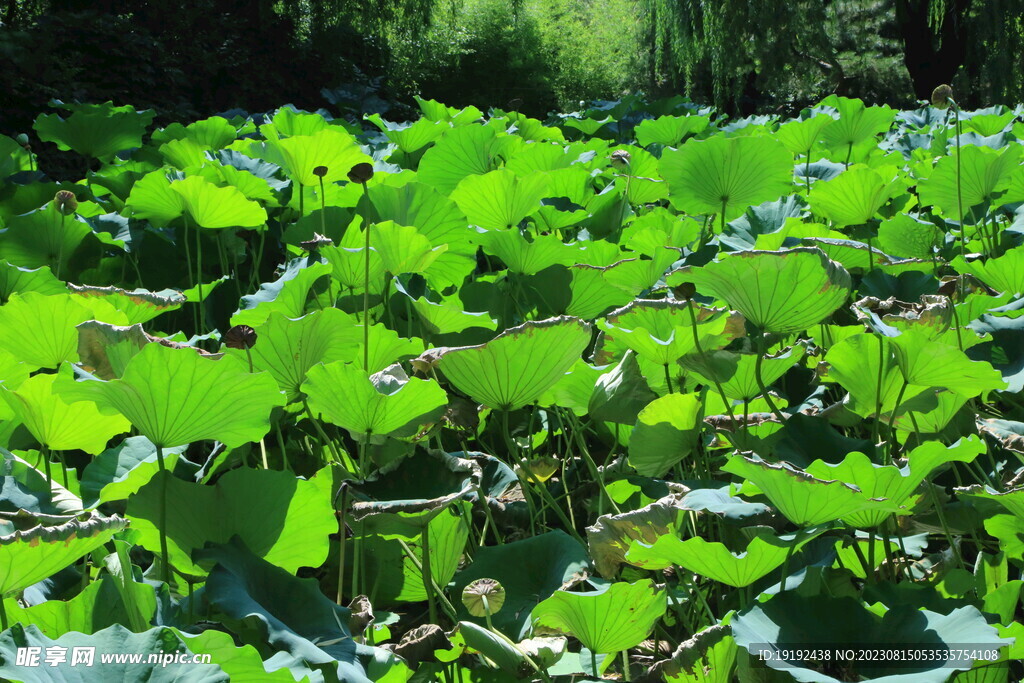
column 596, row 472
column 878, row 393
column 60, row 248
column 959, row 191
column 323, row 217
column 849, row 153
column 44, row 454
column 188, row 262
column 869, row 571
column 668, row 379
column 339, row 456
column 162, row 517
column 893, row 443
column 3, row 615
column 722, row 219
column 700, row 351
column 625, row 666
column 807, row 170
column 257, row 260
column 199, row 277
column 302, row 195
column 942, row 521
column 871, row 552
column 760, row 382
column 428, row 576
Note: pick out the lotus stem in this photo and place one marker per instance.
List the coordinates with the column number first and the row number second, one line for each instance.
column 44, row 454
column 668, row 379
column 323, row 207
column 878, row 393
column 625, row 666
column 760, row 382
column 807, row 170
column 343, row 491
column 302, row 203
column 162, row 517
column 700, row 351
column 428, row 575
column 199, row 279
column 3, row 615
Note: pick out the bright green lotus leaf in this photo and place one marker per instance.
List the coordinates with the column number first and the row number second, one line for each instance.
column 661, row 331
column 410, row 137
column 887, row 481
column 13, row 157
column 708, row 657
column 372, row 407
column 134, row 307
column 60, row 425
column 984, row 172
column 573, row 389
column 210, row 206
column 1012, row 500
column 935, row 364
column 250, row 185
column 908, row 237
column 175, row 396
column 726, row 175
column 118, row 472
column 854, row 196
column 527, row 256
column 241, row 664
column 348, row 263
column 215, row 132
column 804, row 499
column 800, row 136
column 288, row 121
column 448, row 316
column 291, row 529
column 288, row 295
column 592, row 293
column 610, row 621
column 777, row 291
column 1004, row 273
column 330, row 147
column 183, row 154
column 386, row 347
column 519, row 365
column 34, row 547
column 499, row 653
column 666, row 432
column 15, row 279
column 856, row 123
column 287, row 348
column 402, row 248
column 95, row 130
column 499, row 199
column 43, row 237
column 40, row 330
column 735, row 371
column 868, row 372
column 669, row 130
column 468, row 150
column 1009, row 531
column 764, row 554
column 153, row 199
column 642, row 182
column 792, row 619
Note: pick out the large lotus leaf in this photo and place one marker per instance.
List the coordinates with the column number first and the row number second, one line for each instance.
column 909, row 237
column 104, row 350
column 619, row 395
column 708, row 657
column 410, row 137
column 183, row 154
column 726, row 175
column 789, row 619
column 467, row 150
column 527, row 256
column 611, row 535
column 856, row 123
column 43, row 237
column 372, row 407
column 499, row 199
column 288, row 347
column 983, row 173
column 661, row 331
column 242, row 664
column 519, row 365
column 613, row 620
column 781, row 292
column 854, row 196
column 291, row 614
column 386, row 347
column 402, row 248
column 136, row 307
column 804, row 499
column 448, row 316
column 868, row 372
column 95, row 130
column 666, row 432
column 33, row 547
column 764, row 554
column 49, row 496
column 735, row 371
column 153, row 199
column 118, row 472
column 331, row 147
column 669, row 130
column 288, row 294
column 112, row 642
column 210, row 206
column 1005, row 273
column 15, row 279
column 1012, row 500
column 295, row 516
column 888, row 481
column 40, row 330
column 530, row 571
column 934, row 364
column 175, row 396
column 60, row 425
column 799, row 136
column 593, row 293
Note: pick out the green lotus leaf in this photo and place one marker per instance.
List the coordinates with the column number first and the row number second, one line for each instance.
column 218, row 207
column 778, row 291
column 104, row 350
column 530, row 570
column 331, row 147
column 175, row 396
column 215, row 132
column 708, row 657
column 13, row 157
column 527, row 256
column 1009, row 531
column 242, row 664
column 183, row 154
column 735, row 371
column 372, row 407
column 95, row 130
column 403, row 249
column 386, row 347
column 887, row 481
column 1004, row 273
column 909, row 237
column 804, row 499
column 934, row 364
column 60, row 425
column 250, row 185
column 661, row 331
column 593, row 293
column 153, row 199
column 619, row 395
column 288, row 295
column 868, row 372
column 1012, row 500
column 499, row 199
column 666, row 432
column 504, row 655
column 723, row 175
column 613, row 620
column 669, row 130
column 983, row 173
column 854, row 196
column 448, row 316
column 464, row 151
column 136, row 307
column 295, row 517
column 40, row 330
column 643, row 184
column 118, row 472
column 15, row 279
column 764, row 554
column 612, row 535
column 33, row 547
column 519, row 365
column 289, row 121
column 43, row 237
column 800, row 136
column 856, row 123
column 410, row 137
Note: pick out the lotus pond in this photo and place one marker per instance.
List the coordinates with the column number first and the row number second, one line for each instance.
column 636, row 393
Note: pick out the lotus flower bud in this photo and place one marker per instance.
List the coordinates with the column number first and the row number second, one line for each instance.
column 320, row 171
column 621, row 158
column 66, row 202
column 240, row 337
column 22, row 139
column 361, row 173
column 483, row 597
column 942, row 96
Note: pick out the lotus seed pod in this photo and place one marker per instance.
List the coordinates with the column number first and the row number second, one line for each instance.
column 320, row 171
column 685, row 291
column 66, row 202
column 483, row 597
column 361, row 173
column 621, row 158
column 240, row 337
column 942, row 96
column 316, row 242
